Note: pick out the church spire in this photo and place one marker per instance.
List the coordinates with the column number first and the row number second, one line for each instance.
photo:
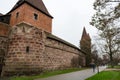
column 85, row 35
column 85, row 45
column 84, row 32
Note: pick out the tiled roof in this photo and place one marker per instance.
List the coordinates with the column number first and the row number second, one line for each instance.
column 85, row 35
column 38, row 4
column 49, row 35
column 1, row 14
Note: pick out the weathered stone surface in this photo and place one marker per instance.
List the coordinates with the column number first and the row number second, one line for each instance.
column 30, row 51
column 3, row 50
column 18, row 58
column 4, row 29
column 60, row 56
column 27, row 47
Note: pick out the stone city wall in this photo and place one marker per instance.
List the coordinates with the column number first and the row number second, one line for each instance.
column 60, row 55
column 3, row 43
column 32, row 51
column 24, row 52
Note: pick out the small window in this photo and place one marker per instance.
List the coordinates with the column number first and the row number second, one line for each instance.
column 35, row 16
column 17, row 14
column 27, row 49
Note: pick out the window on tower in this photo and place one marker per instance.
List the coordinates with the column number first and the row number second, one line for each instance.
column 35, row 16
column 17, row 14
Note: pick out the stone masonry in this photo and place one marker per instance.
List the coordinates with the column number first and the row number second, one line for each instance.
column 24, row 51
column 60, row 55
column 27, row 45
column 32, row 50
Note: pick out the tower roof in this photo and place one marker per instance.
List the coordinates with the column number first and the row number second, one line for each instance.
column 38, row 4
column 89, row 36
column 1, row 14
column 85, row 35
column 84, row 32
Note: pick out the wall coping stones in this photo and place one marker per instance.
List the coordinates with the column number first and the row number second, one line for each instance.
column 51, row 36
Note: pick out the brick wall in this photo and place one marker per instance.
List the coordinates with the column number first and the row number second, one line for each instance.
column 26, row 14
column 4, row 29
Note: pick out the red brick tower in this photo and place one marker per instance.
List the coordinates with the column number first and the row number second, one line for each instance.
column 85, row 45
column 33, row 12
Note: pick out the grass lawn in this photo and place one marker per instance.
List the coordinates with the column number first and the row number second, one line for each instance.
column 45, row 74
column 106, row 75
column 116, row 67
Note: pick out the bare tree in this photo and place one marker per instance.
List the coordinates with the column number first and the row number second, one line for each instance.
column 106, row 20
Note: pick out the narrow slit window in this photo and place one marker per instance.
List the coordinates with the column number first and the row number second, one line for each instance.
column 27, row 49
column 35, row 16
column 17, row 14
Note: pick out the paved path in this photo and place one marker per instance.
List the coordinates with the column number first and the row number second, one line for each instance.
column 79, row 75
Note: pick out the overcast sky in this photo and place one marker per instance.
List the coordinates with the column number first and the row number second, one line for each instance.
column 70, row 16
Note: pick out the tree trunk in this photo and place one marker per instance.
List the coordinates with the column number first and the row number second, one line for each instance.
column 111, row 60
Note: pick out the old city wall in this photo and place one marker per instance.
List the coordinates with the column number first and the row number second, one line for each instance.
column 60, row 55
column 31, row 51
column 24, row 52
column 3, row 44
column 3, row 50
column 4, row 30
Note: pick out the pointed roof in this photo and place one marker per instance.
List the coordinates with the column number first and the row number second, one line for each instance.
column 89, row 37
column 84, row 32
column 37, row 4
column 1, row 14
column 85, row 35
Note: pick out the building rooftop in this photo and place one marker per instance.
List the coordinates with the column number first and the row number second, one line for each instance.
column 37, row 4
column 1, row 14
column 49, row 35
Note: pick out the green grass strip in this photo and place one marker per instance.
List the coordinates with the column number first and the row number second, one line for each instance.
column 106, row 75
column 115, row 67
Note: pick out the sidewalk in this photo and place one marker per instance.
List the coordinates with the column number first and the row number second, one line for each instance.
column 79, row 75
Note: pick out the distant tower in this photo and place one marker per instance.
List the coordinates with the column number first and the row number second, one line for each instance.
column 85, row 45
column 33, row 12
